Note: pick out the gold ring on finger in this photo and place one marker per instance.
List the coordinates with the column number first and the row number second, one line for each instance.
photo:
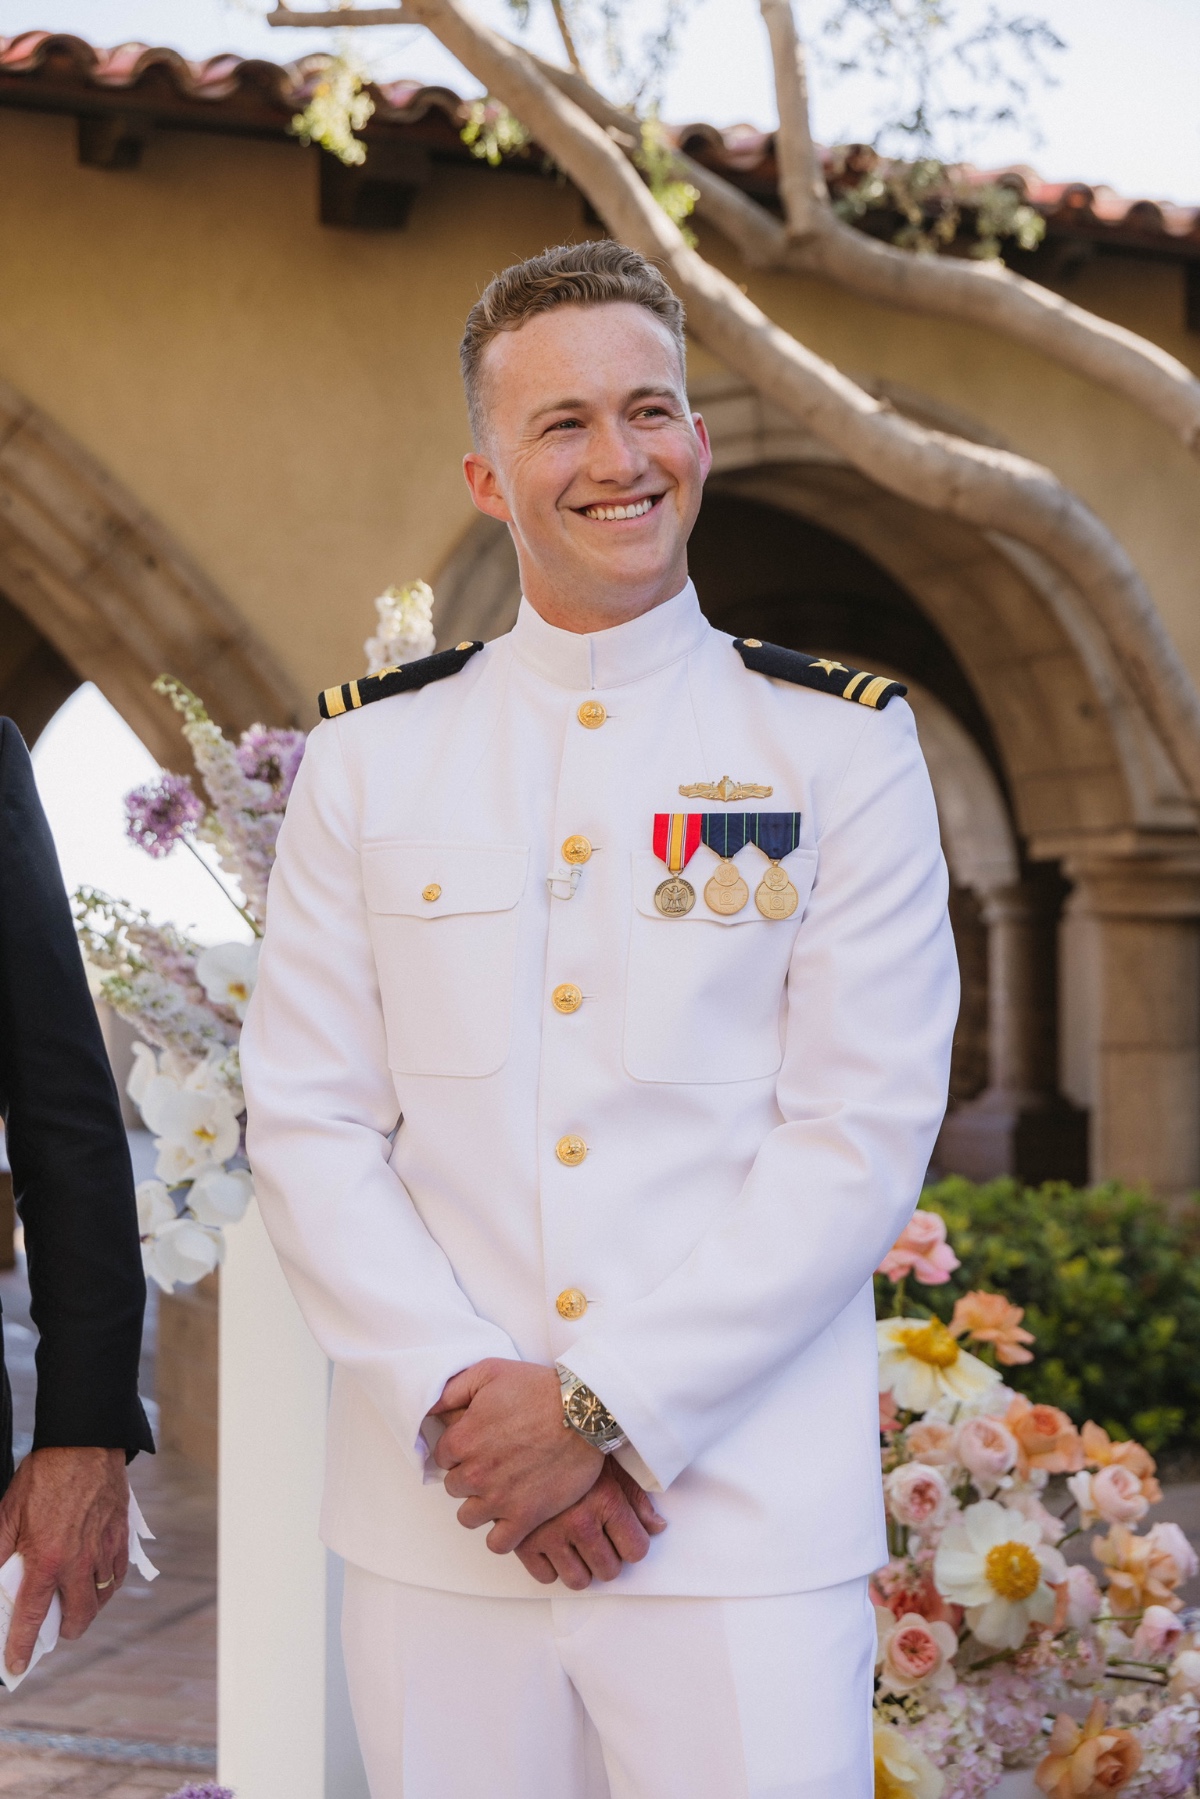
column 102, row 1584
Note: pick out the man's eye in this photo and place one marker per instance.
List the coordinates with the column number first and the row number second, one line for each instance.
column 565, row 425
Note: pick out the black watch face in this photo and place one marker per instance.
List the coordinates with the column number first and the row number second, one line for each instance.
column 588, row 1415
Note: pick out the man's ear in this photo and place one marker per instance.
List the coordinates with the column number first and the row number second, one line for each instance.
column 484, row 484
column 702, row 438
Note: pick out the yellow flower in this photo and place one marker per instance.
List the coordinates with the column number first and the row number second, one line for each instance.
column 992, row 1561
column 920, row 1363
column 902, row 1771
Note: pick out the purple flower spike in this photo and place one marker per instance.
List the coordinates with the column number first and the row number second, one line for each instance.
column 160, row 814
column 271, row 755
column 204, row 1792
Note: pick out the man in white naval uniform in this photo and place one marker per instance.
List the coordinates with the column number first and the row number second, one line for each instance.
column 553, row 1123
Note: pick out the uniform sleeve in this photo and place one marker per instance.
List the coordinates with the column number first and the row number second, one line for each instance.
column 375, row 1289
column 872, row 1001
column 67, row 1144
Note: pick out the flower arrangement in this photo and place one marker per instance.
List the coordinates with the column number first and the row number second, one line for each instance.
column 187, row 1002
column 994, row 1650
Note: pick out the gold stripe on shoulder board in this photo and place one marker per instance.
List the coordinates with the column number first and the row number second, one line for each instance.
column 871, row 692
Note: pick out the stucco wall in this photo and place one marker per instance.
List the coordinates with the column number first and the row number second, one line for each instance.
column 285, row 397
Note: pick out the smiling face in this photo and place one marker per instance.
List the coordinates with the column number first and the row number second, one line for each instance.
column 592, row 459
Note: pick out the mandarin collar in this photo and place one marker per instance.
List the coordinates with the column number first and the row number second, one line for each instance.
column 611, row 658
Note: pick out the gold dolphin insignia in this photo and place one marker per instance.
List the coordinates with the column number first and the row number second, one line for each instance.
column 727, row 790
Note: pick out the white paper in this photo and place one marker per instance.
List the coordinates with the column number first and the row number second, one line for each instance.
column 13, row 1570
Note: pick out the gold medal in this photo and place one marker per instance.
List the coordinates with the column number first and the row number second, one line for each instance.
column 726, row 892
column 675, row 897
column 775, row 896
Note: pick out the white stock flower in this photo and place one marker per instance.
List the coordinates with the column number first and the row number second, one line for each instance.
column 194, row 1129
column 220, row 1196
column 227, row 973
column 405, row 627
column 920, row 1363
column 144, row 1070
column 183, row 1252
column 993, row 1563
column 155, row 1207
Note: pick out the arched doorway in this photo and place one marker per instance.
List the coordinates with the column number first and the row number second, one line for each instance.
column 1091, row 859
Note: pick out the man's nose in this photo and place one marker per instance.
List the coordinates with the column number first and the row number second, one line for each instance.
column 617, row 456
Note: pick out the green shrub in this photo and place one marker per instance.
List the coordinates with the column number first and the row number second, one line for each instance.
column 1111, row 1290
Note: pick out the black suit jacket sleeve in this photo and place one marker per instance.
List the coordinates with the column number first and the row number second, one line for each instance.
column 66, row 1143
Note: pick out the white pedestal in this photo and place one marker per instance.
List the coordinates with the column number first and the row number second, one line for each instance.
column 271, row 1565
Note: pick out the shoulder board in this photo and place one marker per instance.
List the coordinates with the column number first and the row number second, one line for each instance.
column 403, row 679
column 819, row 673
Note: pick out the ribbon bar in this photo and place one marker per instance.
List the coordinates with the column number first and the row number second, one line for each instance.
column 776, row 834
column 676, row 838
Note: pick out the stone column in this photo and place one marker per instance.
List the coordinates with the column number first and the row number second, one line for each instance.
column 1146, row 1055
column 1020, row 1124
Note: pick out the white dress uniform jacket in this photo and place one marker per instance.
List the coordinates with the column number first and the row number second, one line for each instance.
column 758, row 1098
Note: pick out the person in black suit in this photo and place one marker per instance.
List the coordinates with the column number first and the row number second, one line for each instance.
column 66, row 1506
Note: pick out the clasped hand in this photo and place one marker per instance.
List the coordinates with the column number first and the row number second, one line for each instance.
column 565, row 1509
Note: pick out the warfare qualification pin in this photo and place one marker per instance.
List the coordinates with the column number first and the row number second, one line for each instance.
column 676, row 840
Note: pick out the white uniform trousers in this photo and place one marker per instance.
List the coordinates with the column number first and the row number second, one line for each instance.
column 459, row 1697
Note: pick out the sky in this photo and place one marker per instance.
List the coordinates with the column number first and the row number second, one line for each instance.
column 1125, row 110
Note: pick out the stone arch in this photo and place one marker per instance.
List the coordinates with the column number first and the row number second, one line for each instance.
column 113, row 598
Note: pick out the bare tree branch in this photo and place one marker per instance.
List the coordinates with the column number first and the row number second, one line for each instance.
column 989, row 488
column 801, row 178
column 341, row 16
column 568, row 42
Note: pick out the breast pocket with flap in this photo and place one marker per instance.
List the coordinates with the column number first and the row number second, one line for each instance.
column 443, row 923
column 704, row 997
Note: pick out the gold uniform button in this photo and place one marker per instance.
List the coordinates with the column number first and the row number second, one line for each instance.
column 576, row 849
column 570, row 1151
column 566, row 998
column 752, row 643
column 591, row 715
column 432, row 892
column 570, row 1303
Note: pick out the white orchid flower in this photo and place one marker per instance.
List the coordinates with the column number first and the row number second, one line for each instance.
column 195, row 1130
column 155, row 1207
column 220, row 1195
column 183, row 1252
column 144, row 1070
column 227, row 973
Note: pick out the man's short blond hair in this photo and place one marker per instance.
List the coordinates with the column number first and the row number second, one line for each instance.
column 592, row 274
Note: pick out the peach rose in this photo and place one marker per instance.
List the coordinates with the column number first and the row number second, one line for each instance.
column 1085, row 1601
column 1087, row 1763
column 987, row 1450
column 1113, row 1494
column 990, row 1318
column 900, row 1589
column 917, row 1496
column 1157, row 1636
column 913, row 1652
column 1046, row 1438
column 1142, row 1571
column 1169, row 1541
column 921, row 1250
column 932, row 1442
column 1099, row 1451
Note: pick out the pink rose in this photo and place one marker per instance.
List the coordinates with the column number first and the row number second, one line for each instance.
column 1156, row 1636
column 931, row 1442
column 922, row 1251
column 1030, row 1506
column 917, row 1496
column 1185, row 1674
column 913, row 1652
column 1085, row 1601
column 1169, row 1540
column 987, row 1450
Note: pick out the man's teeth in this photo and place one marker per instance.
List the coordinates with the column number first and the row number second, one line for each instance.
column 635, row 511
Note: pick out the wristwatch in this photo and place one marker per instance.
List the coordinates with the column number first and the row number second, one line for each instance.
column 585, row 1413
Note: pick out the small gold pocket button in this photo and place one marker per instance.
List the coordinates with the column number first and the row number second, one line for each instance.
column 432, row 892
column 576, row 850
column 570, row 1151
column 566, row 998
column 591, row 715
column 570, row 1303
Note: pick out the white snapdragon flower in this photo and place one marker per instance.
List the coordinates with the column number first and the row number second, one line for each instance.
column 220, row 1196
column 155, row 1207
column 183, row 1252
column 227, row 973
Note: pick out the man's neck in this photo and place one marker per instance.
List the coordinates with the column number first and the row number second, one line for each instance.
column 585, row 610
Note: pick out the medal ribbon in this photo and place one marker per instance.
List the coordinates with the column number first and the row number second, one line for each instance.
column 676, row 838
column 775, row 833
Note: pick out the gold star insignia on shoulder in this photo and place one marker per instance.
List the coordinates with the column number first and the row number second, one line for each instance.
column 726, row 790
column 831, row 668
